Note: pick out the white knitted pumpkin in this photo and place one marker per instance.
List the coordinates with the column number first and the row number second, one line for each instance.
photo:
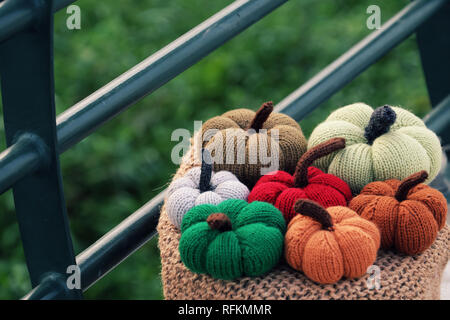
column 200, row 185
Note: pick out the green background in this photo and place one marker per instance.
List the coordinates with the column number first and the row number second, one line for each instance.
column 126, row 162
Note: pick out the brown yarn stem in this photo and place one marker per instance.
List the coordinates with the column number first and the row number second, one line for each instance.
column 261, row 116
column 319, row 151
column 219, row 221
column 314, row 210
column 409, row 183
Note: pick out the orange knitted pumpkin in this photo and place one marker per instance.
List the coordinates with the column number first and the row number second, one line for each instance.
column 327, row 244
column 408, row 213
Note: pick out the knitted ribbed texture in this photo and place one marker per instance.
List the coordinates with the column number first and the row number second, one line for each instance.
column 328, row 244
column 401, row 276
column 184, row 193
column 232, row 239
column 408, row 214
column 249, row 155
column 283, row 190
column 407, row 147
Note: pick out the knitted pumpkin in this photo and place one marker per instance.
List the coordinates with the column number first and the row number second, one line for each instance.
column 328, row 244
column 388, row 143
column 283, row 190
column 250, row 144
column 201, row 185
column 232, row 239
column 408, row 213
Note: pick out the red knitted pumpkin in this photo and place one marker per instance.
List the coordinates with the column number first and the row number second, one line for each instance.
column 282, row 189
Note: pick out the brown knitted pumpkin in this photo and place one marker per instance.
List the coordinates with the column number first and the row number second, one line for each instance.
column 250, row 144
column 328, row 244
column 408, row 213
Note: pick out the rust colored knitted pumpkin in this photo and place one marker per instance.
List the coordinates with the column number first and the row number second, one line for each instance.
column 282, row 189
column 250, row 144
column 408, row 213
column 328, row 244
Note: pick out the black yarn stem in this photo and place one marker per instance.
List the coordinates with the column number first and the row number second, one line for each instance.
column 380, row 122
column 205, row 172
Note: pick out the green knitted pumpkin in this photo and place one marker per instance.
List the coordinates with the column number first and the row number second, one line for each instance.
column 388, row 143
column 232, row 239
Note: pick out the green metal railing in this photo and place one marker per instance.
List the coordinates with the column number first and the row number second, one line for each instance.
column 35, row 136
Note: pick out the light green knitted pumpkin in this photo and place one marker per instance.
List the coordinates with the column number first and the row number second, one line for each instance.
column 388, row 143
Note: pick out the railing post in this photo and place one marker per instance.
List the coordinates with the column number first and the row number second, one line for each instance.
column 434, row 46
column 26, row 71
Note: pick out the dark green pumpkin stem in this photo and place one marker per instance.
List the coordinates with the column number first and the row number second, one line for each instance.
column 380, row 122
column 261, row 116
column 307, row 159
column 205, row 172
column 409, row 183
column 314, row 210
column 219, row 221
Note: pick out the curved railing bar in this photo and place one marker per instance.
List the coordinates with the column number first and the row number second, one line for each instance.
column 84, row 117
column 347, row 67
column 87, row 115
column 16, row 15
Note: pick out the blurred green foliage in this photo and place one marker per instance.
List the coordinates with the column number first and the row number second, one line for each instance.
column 126, row 162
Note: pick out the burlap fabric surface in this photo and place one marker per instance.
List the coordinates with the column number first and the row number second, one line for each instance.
column 401, row 277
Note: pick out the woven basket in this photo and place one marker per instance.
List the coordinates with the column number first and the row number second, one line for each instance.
column 401, row 276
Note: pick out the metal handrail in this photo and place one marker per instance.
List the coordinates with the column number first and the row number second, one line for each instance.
column 438, row 119
column 347, row 67
column 80, row 120
column 87, row 115
column 84, row 117
column 25, row 155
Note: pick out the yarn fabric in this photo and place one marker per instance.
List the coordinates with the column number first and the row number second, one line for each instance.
column 232, row 239
column 283, row 190
column 200, row 185
column 250, row 144
column 401, row 276
column 388, row 143
column 408, row 213
column 328, row 244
